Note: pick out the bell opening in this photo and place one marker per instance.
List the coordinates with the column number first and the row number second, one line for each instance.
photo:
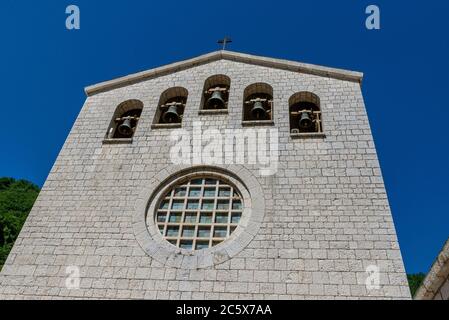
column 126, row 128
column 257, row 107
column 171, row 115
column 305, row 115
column 216, row 101
column 258, row 112
column 126, row 124
column 306, row 123
column 171, row 110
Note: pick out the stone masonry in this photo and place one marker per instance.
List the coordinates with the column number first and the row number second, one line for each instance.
column 436, row 284
column 326, row 214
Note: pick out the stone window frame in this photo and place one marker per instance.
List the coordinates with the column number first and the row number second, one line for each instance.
column 165, row 96
column 258, row 87
column 151, row 240
column 122, row 108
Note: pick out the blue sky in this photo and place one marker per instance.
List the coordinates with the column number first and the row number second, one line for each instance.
column 45, row 67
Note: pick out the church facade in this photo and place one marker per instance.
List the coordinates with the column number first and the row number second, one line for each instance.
column 226, row 176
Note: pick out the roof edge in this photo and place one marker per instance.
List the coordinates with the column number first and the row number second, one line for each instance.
column 340, row 74
column 436, row 276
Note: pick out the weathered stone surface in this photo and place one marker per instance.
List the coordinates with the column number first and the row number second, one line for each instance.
column 436, row 284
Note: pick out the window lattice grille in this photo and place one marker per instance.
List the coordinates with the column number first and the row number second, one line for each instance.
column 199, row 213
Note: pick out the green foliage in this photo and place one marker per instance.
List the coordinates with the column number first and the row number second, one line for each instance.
column 16, row 200
column 414, row 281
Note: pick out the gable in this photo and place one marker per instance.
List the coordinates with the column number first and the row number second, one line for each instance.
column 299, row 67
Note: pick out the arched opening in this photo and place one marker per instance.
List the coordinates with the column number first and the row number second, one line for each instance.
column 171, row 106
column 258, row 102
column 216, row 93
column 124, row 122
column 305, row 113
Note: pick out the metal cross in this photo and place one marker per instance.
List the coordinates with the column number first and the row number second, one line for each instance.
column 225, row 41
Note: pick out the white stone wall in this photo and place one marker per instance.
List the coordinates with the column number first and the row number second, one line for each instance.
column 326, row 211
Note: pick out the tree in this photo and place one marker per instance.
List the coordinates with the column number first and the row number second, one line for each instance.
column 16, row 200
column 414, row 281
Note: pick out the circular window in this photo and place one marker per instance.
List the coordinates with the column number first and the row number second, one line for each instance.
column 197, row 217
column 199, row 213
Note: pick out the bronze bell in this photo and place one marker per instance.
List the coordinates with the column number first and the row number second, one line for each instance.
column 258, row 111
column 305, row 122
column 171, row 115
column 125, row 128
column 216, row 101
